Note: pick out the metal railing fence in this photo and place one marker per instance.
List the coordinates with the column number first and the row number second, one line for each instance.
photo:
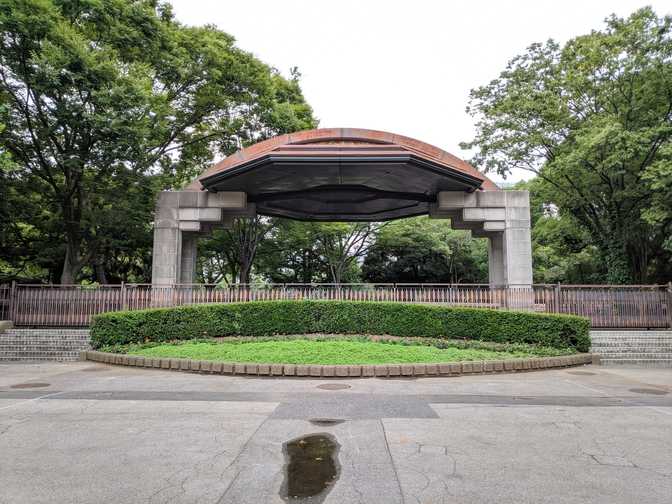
column 636, row 306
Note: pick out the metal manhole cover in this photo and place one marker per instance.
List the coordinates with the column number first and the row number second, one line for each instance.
column 30, row 385
column 651, row 391
column 581, row 373
column 333, row 386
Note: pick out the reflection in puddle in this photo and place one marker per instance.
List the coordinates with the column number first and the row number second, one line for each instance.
column 333, row 386
column 651, row 391
column 30, row 385
column 326, row 421
column 311, row 468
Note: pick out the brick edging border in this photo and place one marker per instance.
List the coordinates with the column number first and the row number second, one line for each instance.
column 343, row 371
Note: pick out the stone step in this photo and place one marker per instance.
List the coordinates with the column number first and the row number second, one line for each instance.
column 43, row 344
column 649, row 363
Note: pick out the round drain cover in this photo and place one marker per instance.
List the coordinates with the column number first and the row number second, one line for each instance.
column 333, row 386
column 581, row 373
column 651, row 391
column 30, row 385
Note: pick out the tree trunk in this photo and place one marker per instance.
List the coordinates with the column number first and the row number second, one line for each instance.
column 71, row 263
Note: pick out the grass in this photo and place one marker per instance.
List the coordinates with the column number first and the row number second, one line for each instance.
column 328, row 351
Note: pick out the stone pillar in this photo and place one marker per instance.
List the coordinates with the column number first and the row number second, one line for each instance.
column 504, row 218
column 180, row 218
column 188, row 257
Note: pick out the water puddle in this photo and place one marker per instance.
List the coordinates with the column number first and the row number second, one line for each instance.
column 651, row 391
column 30, row 385
column 333, row 386
column 311, row 468
column 326, row 421
column 581, row 373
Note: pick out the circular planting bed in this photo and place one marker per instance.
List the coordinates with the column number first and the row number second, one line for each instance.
column 278, row 338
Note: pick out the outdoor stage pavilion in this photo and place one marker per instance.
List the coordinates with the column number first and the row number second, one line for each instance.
column 343, row 174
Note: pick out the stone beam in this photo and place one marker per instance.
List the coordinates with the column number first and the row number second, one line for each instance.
column 181, row 217
column 504, row 218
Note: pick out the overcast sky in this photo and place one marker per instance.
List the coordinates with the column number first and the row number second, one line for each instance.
column 400, row 66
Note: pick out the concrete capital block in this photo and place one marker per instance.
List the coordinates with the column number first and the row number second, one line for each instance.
column 488, row 366
column 494, row 226
column 190, row 226
column 432, row 369
column 216, row 367
column 484, row 214
column 393, row 369
column 467, row 367
column 289, row 370
column 206, row 366
column 455, row 368
column 328, row 371
column 508, row 365
column 455, row 199
column 477, row 366
column 315, row 370
column 491, row 198
column 407, row 369
column 227, row 199
column 200, row 214
column 302, row 370
column 227, row 368
column 239, row 368
column 251, row 369
column 165, row 363
column 498, row 365
column 195, row 365
column 368, row 370
column 276, row 369
column 264, row 369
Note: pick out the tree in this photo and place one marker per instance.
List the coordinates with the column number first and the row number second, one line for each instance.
column 423, row 250
column 343, row 244
column 102, row 92
column 229, row 255
column 593, row 120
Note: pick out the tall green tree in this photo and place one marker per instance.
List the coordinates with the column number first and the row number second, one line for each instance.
column 423, row 250
column 119, row 94
column 593, row 120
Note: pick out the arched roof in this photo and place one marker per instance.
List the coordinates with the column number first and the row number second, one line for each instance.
column 343, row 136
column 342, row 174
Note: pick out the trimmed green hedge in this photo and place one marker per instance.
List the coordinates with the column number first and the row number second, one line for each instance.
column 266, row 318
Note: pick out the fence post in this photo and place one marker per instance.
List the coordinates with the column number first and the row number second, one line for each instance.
column 669, row 304
column 124, row 301
column 12, row 302
column 556, row 297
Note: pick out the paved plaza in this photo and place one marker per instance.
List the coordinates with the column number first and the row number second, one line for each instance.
column 90, row 433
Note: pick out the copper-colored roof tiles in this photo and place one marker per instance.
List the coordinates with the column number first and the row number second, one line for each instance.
column 343, row 142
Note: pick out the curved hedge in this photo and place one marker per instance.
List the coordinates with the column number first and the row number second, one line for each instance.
column 266, row 318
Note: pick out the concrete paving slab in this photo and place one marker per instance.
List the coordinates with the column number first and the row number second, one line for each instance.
column 100, row 434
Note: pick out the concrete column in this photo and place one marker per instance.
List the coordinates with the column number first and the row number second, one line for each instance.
column 517, row 240
column 188, row 258
column 180, row 218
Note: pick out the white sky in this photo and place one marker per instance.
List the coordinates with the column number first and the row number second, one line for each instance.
column 400, row 66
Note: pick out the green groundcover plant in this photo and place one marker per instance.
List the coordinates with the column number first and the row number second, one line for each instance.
column 347, row 350
column 268, row 318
